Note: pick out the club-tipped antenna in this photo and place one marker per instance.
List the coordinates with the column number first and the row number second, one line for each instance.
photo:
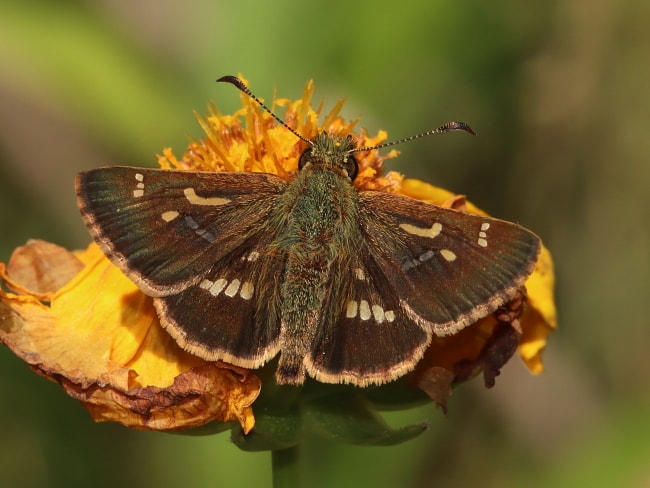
column 448, row 127
column 233, row 80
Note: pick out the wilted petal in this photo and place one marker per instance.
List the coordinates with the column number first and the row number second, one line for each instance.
column 40, row 268
column 99, row 337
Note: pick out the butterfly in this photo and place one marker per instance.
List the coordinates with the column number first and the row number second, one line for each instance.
column 342, row 285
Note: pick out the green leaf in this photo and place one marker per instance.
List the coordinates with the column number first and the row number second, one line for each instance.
column 398, row 395
column 274, row 429
column 349, row 418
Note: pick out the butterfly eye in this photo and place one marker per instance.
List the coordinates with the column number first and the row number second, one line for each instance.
column 351, row 166
column 304, row 158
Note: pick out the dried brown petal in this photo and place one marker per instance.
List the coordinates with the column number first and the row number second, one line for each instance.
column 40, row 268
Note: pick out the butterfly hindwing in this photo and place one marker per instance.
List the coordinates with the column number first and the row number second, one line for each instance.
column 228, row 315
column 164, row 229
column 450, row 268
column 353, row 349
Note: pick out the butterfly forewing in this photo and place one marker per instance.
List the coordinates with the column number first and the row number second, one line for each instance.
column 450, row 268
column 165, row 229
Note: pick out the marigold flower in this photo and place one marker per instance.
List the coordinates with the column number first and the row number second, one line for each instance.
column 77, row 320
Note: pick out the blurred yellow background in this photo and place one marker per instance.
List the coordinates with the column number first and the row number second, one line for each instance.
column 559, row 95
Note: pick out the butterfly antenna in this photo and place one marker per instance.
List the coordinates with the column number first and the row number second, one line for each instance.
column 451, row 126
column 233, row 80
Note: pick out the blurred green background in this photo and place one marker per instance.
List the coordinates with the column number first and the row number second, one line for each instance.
column 559, row 95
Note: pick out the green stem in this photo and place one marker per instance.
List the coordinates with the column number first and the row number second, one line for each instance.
column 285, row 468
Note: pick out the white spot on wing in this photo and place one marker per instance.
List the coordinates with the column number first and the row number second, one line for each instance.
column 218, row 286
column 194, row 199
column 231, row 291
column 351, row 309
column 169, row 215
column 430, row 232
column 364, row 310
column 448, row 255
column 360, row 274
column 378, row 313
column 482, row 235
column 389, row 316
column 139, row 192
column 246, row 291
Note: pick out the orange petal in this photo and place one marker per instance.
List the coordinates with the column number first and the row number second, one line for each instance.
column 100, row 339
column 540, row 319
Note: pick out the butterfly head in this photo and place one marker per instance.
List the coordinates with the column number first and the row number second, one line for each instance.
column 331, row 152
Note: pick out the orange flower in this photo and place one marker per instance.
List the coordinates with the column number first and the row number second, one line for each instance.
column 77, row 320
